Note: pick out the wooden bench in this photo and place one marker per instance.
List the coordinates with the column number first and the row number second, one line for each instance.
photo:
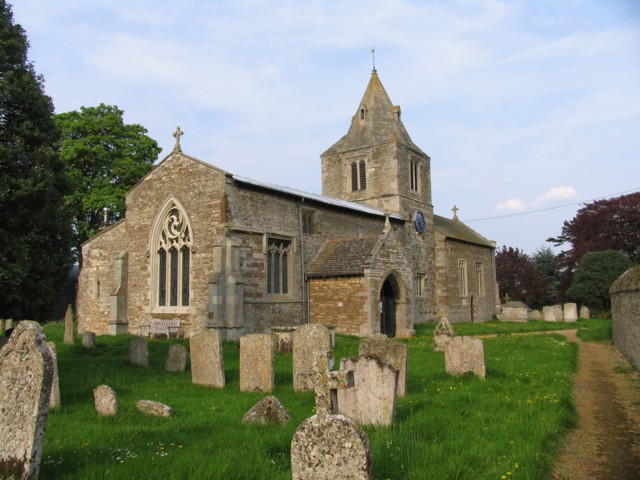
column 164, row 327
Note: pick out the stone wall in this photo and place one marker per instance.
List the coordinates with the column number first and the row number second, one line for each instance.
column 343, row 302
column 625, row 312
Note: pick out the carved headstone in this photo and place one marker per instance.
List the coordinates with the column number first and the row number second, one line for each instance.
column 207, row 363
column 306, row 340
column 256, row 363
column 267, row 410
column 570, row 312
column 372, row 400
column 443, row 333
column 465, row 354
column 69, row 330
column 176, row 358
column 89, row 340
column 585, row 313
column 390, row 352
column 139, row 352
column 156, row 409
column 26, row 374
column 54, row 398
column 105, row 400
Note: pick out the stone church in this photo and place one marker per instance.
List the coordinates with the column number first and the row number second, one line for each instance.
column 220, row 251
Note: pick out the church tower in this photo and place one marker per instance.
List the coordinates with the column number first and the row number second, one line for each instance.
column 377, row 164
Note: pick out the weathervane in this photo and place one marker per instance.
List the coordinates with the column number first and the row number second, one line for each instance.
column 373, row 57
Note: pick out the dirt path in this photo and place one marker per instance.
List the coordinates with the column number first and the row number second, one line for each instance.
column 606, row 444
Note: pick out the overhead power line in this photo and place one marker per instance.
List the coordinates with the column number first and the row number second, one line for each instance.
column 551, row 208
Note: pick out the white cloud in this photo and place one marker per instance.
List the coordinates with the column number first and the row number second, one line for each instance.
column 557, row 193
column 513, row 205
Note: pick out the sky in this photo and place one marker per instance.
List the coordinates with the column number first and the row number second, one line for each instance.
column 528, row 109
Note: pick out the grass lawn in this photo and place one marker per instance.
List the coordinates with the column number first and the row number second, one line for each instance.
column 508, row 426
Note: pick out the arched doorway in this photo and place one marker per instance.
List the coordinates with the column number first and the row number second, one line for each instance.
column 388, row 309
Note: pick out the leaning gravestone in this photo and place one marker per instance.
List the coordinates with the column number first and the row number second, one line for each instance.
column 256, row 363
column 89, row 340
column 585, row 313
column 570, row 312
column 26, row 373
column 266, row 411
column 443, row 333
column 176, row 358
column 105, row 400
column 306, row 340
column 207, row 363
column 465, row 354
column 54, row 398
column 372, row 400
column 139, row 352
column 69, row 331
column 390, row 352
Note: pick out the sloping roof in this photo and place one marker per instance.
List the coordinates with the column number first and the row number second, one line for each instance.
column 381, row 123
column 343, row 257
column 457, row 230
column 335, row 202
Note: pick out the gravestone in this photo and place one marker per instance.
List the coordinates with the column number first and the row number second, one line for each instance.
column 26, row 373
column 443, row 333
column 585, row 313
column 267, row 410
column 552, row 313
column 465, row 354
column 570, row 312
column 390, row 352
column 372, row 400
column 327, row 446
column 207, row 362
column 8, row 324
column 176, row 358
column 283, row 338
column 153, row 408
column 139, row 352
column 54, row 398
column 306, row 340
column 69, row 330
column 105, row 400
column 256, row 363
column 89, row 340
column 535, row 315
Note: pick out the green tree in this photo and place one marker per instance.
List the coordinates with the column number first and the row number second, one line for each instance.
column 103, row 158
column 594, row 276
column 545, row 262
column 35, row 228
column 518, row 277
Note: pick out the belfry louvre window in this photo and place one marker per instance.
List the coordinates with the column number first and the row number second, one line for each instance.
column 415, row 170
column 462, row 278
column 173, row 261
column 278, row 257
column 358, row 176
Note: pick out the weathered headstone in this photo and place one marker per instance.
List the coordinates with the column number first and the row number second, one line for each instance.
column 391, row 352
column 585, row 313
column 443, row 333
column 306, row 340
column 207, row 362
column 139, row 352
column 283, row 338
column 54, row 398
column 570, row 312
column 465, row 354
column 327, row 446
column 267, row 410
column 256, row 363
column 8, row 324
column 69, row 330
column 176, row 358
column 26, row 373
column 552, row 313
column 105, row 400
column 156, row 409
column 89, row 340
column 535, row 315
column 372, row 400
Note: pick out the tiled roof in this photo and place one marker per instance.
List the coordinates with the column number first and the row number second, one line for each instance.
column 457, row 230
column 343, row 257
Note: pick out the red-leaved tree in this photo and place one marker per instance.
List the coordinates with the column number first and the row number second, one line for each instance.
column 518, row 277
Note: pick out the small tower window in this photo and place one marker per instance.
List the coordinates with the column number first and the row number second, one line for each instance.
column 358, row 176
column 414, row 181
column 362, row 114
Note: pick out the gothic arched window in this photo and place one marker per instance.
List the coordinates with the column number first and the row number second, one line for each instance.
column 172, row 254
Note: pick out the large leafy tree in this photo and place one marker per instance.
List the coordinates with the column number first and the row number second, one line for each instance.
column 594, row 276
column 610, row 224
column 103, row 158
column 518, row 277
column 35, row 231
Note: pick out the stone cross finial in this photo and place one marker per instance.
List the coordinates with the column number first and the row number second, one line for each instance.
column 373, row 57
column 325, row 383
column 455, row 212
column 177, row 134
